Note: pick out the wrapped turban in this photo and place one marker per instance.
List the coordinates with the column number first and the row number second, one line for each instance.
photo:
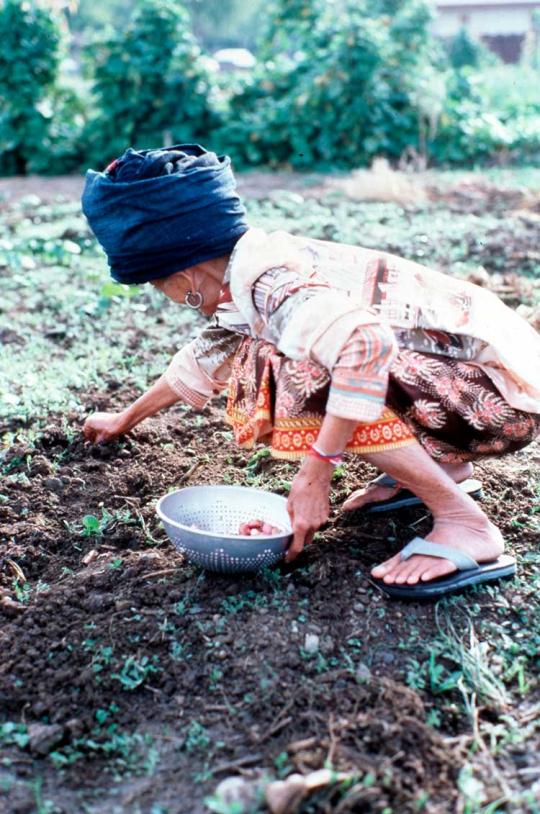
column 156, row 212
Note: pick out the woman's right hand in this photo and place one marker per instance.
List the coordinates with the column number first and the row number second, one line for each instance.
column 101, row 427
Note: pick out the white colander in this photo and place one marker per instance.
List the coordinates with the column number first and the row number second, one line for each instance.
column 217, row 512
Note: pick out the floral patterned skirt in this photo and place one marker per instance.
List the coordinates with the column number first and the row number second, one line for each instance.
column 450, row 407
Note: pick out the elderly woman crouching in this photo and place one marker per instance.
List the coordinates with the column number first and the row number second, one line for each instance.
column 326, row 348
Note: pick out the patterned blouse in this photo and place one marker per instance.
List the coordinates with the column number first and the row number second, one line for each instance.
column 350, row 309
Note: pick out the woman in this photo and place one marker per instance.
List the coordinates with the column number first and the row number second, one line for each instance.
column 326, row 347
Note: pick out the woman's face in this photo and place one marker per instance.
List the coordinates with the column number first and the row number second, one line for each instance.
column 193, row 280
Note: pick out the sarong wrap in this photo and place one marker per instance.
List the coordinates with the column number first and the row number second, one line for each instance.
column 450, row 407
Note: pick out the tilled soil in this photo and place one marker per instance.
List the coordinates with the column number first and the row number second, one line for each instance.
column 134, row 682
column 122, row 652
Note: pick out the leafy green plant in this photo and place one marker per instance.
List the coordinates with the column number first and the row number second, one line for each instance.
column 116, row 563
column 197, row 738
column 150, row 82
column 101, row 658
column 135, row 671
column 14, row 733
column 488, row 114
column 248, row 599
column 440, row 678
column 214, row 678
column 282, row 765
column 254, row 463
column 466, row 51
column 335, row 86
column 29, row 60
column 91, row 525
column 127, row 752
column 23, row 591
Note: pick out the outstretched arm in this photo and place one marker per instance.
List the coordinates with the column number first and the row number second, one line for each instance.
column 101, row 427
column 197, row 372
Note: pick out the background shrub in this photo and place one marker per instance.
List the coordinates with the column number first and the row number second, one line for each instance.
column 150, row 84
column 29, row 59
column 466, row 51
column 335, row 87
column 490, row 116
column 336, row 83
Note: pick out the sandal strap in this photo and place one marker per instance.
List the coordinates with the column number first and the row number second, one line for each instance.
column 384, row 480
column 420, row 546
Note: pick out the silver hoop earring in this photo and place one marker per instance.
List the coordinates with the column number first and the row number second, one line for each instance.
column 194, row 300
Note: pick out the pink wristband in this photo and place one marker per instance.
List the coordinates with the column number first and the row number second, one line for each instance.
column 334, row 458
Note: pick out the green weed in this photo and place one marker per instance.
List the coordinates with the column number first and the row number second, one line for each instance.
column 254, row 463
column 127, row 752
column 23, row 591
column 197, row 738
column 43, row 806
column 12, row 733
column 249, row 599
column 135, row 671
column 282, row 765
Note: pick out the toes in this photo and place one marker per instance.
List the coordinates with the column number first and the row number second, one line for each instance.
column 416, row 569
column 402, row 574
column 442, row 569
column 355, row 500
column 416, row 574
column 369, row 494
column 410, row 572
column 393, row 570
column 380, row 570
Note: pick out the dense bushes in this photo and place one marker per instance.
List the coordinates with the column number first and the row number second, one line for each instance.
column 337, row 82
column 150, row 84
column 491, row 115
column 29, row 58
column 340, row 89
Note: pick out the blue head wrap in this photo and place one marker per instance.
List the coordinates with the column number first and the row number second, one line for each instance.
column 156, row 212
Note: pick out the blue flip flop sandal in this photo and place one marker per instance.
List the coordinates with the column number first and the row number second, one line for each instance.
column 404, row 498
column 469, row 571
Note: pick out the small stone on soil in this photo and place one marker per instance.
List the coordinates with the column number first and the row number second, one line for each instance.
column 238, row 793
column 44, row 737
column 362, row 673
column 54, row 484
column 311, row 643
column 11, row 606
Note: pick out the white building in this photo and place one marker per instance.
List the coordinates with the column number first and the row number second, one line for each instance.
column 502, row 24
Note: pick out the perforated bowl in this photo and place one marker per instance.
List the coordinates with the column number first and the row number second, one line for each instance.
column 217, row 512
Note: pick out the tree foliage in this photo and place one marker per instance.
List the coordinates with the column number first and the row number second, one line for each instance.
column 150, row 83
column 466, row 51
column 338, row 83
column 29, row 59
column 218, row 23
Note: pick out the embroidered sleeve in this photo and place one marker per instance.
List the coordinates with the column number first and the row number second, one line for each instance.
column 307, row 319
column 360, row 376
column 201, row 369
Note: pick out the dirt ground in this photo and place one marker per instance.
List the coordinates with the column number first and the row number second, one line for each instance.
column 237, row 668
column 134, row 682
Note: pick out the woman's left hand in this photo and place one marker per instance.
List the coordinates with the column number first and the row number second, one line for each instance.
column 308, row 503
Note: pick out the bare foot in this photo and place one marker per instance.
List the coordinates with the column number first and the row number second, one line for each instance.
column 370, row 493
column 374, row 493
column 475, row 536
